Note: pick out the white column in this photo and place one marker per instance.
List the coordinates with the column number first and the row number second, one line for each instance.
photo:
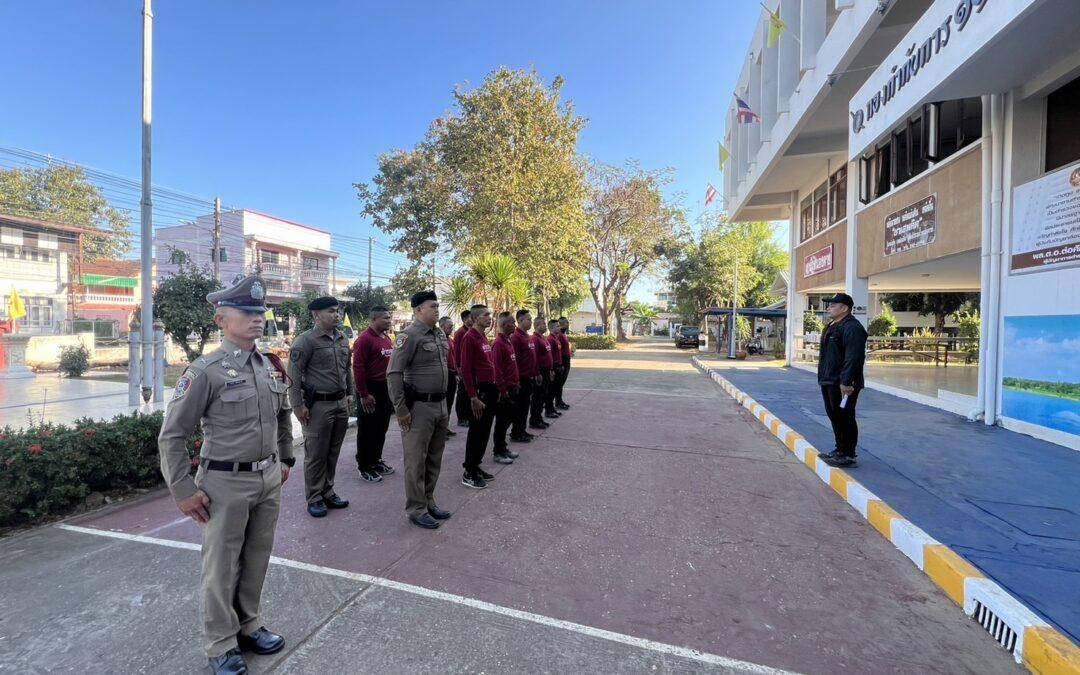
column 769, row 89
column 787, row 56
column 812, row 23
column 857, row 287
column 754, row 128
column 793, row 323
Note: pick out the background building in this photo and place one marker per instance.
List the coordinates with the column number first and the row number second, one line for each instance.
column 928, row 147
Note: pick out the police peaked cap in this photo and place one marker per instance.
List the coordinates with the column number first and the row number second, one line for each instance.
column 325, row 302
column 422, row 297
column 247, row 294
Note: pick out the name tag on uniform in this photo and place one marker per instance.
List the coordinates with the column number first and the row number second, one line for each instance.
column 229, row 384
column 487, row 348
column 387, row 352
column 532, row 346
column 513, row 357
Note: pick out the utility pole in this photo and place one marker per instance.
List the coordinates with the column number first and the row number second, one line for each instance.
column 146, row 212
column 369, row 243
column 734, row 309
column 216, row 251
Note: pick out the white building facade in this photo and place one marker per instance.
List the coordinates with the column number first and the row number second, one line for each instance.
column 928, row 146
column 293, row 258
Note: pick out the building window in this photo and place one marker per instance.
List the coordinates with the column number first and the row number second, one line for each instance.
column 821, row 207
column 269, row 257
column 838, row 196
column 311, row 263
column 806, row 218
column 1063, row 126
column 39, row 312
column 939, row 131
column 223, row 254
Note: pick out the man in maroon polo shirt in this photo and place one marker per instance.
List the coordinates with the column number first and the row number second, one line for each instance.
column 447, row 326
column 464, row 414
column 478, row 378
column 567, row 354
column 557, row 368
column 507, row 379
column 543, row 366
column 371, row 356
column 525, row 352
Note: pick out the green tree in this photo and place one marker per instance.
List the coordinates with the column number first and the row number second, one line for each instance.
column 63, row 194
column 462, row 296
column 180, row 303
column 497, row 279
column 811, row 322
column 940, row 305
column 297, row 307
column 631, row 226
column 363, row 299
column 643, row 314
column 884, row 324
column 702, row 273
column 498, row 173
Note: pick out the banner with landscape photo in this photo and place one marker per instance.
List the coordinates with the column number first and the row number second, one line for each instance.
column 1041, row 382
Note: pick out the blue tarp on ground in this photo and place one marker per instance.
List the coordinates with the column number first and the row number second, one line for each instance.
column 1007, row 502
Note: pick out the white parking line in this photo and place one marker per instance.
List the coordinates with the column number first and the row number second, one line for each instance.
column 629, row 640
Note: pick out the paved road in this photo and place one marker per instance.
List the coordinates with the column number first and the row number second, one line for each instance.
column 655, row 526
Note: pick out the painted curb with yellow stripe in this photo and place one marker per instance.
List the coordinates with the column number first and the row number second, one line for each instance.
column 1037, row 645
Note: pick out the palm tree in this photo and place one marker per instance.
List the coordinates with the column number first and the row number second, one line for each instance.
column 462, row 294
column 643, row 314
column 496, row 279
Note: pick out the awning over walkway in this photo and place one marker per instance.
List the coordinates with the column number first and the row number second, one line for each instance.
column 762, row 312
column 106, row 280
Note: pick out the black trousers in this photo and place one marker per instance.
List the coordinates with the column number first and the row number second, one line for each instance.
column 844, row 427
column 552, row 392
column 464, row 406
column 526, row 391
column 505, row 412
column 561, row 381
column 371, row 427
column 451, row 390
column 539, row 397
column 480, row 428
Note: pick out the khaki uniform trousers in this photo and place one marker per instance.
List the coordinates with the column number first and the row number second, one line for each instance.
column 236, row 546
column 322, row 445
column 423, row 444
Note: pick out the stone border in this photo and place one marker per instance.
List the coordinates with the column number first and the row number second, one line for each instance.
column 1040, row 647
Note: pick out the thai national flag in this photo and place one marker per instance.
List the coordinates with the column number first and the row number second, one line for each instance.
column 710, row 194
column 745, row 115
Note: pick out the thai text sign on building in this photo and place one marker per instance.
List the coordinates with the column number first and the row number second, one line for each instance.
column 912, row 226
column 818, row 262
column 1046, row 221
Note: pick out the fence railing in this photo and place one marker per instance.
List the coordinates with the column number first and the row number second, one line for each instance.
column 936, row 350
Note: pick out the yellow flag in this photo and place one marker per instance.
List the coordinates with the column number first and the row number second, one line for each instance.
column 776, row 26
column 269, row 315
column 724, row 155
column 346, row 322
column 16, row 308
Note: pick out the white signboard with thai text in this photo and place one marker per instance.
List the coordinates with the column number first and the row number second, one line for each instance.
column 1046, row 222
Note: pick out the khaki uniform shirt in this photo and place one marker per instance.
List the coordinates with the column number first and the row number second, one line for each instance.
column 240, row 398
column 420, row 358
column 321, row 360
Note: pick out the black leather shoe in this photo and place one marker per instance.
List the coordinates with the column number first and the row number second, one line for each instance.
column 562, row 406
column 230, row 663
column 425, row 521
column 539, row 424
column 261, row 641
column 437, row 513
column 554, row 414
column 521, row 439
column 335, row 502
column 503, row 458
column 317, row 509
column 450, row 433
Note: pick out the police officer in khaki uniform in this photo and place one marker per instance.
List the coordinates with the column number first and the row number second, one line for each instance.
column 239, row 396
column 321, row 393
column 417, row 379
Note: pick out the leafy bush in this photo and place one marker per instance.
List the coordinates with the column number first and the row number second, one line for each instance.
column 969, row 324
column 923, row 338
column 583, row 341
column 74, row 360
column 664, row 332
column 49, row 469
column 743, row 331
column 883, row 325
column 812, row 323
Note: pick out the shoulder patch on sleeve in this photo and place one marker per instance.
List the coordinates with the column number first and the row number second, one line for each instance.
column 399, row 341
column 296, row 354
column 182, row 385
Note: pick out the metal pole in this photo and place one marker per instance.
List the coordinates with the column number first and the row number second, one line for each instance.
column 147, row 206
column 133, row 364
column 369, row 243
column 734, row 310
column 159, row 361
column 216, row 251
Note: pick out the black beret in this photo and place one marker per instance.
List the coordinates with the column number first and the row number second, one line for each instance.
column 325, row 302
column 422, row 297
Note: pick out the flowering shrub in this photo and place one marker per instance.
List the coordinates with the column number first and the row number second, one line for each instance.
column 49, row 469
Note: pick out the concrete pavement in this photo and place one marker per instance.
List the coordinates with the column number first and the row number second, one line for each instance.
column 655, row 526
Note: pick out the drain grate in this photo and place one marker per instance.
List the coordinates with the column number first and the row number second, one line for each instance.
column 998, row 629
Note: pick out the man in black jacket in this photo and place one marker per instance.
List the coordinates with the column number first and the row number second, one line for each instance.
column 840, row 374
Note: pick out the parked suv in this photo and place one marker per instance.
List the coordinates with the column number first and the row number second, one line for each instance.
column 687, row 336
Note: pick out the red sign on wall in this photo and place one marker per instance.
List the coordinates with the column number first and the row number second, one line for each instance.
column 818, row 262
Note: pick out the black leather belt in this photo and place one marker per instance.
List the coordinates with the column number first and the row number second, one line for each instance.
column 335, row 396
column 218, row 465
column 429, row 398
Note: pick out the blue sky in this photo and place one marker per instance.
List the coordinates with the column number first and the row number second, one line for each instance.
column 281, row 106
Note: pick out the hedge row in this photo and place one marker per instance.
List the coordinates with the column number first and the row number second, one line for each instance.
column 49, row 469
column 585, row 341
